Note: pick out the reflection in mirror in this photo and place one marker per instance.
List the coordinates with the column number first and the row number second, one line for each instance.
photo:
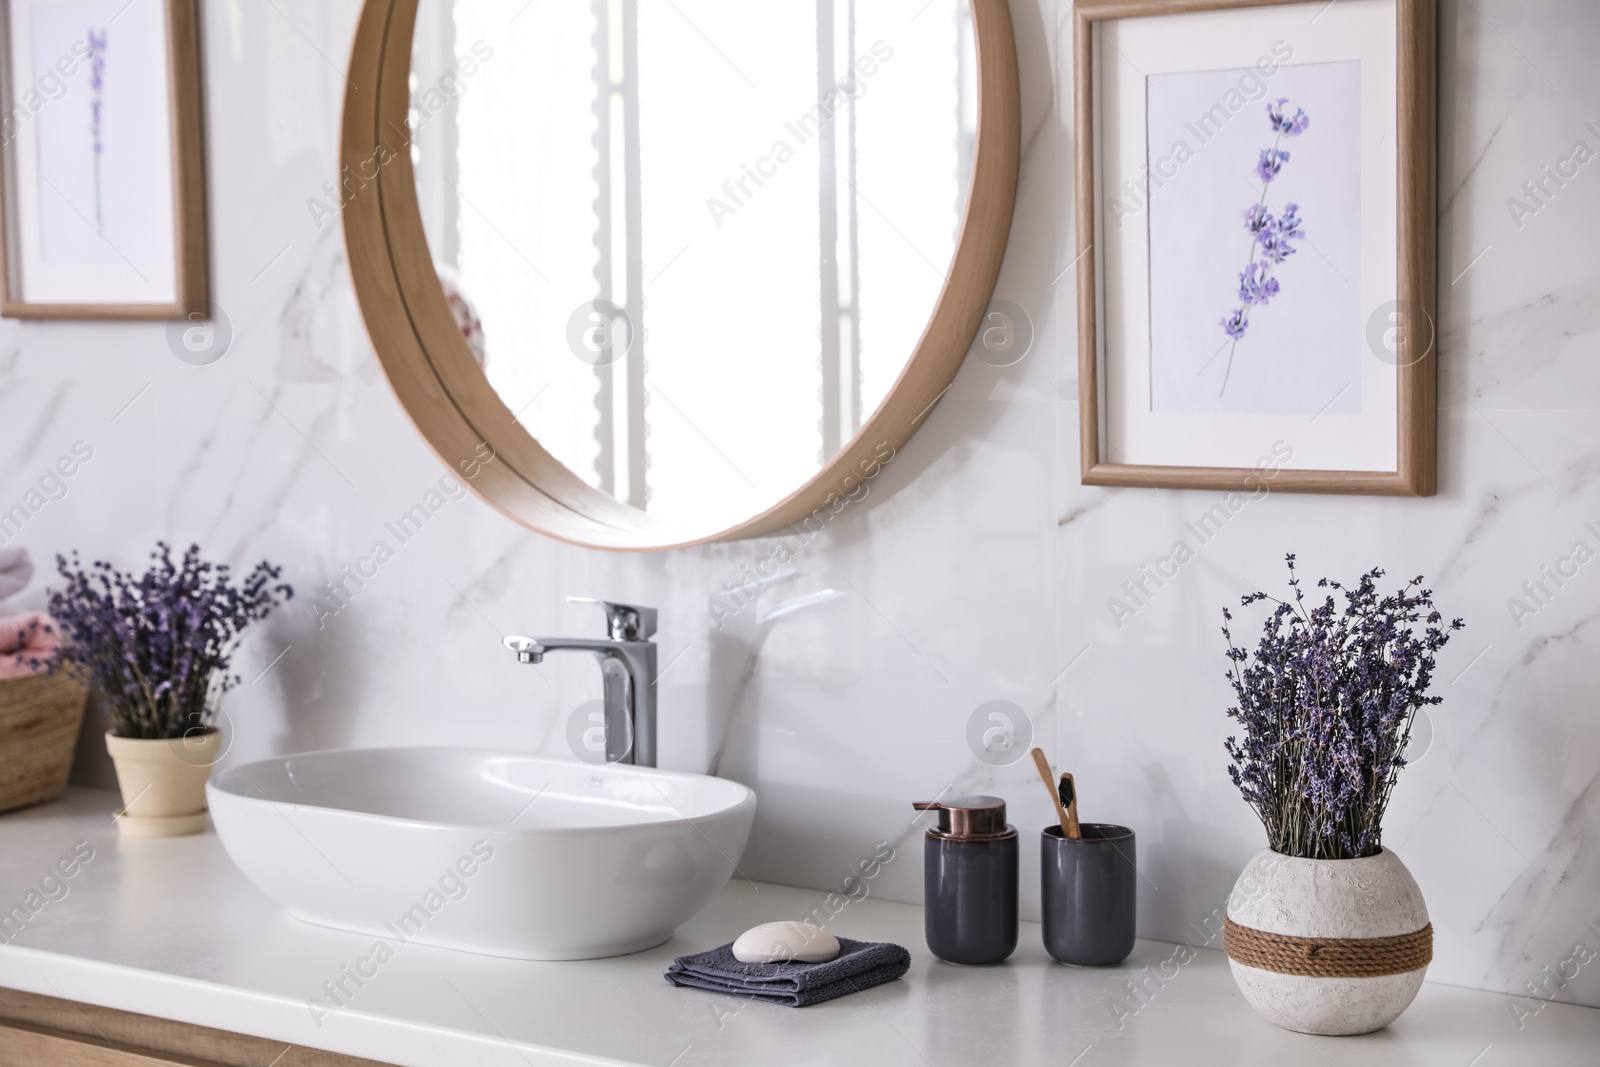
column 693, row 244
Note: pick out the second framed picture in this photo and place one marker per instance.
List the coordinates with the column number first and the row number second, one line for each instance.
column 1255, row 214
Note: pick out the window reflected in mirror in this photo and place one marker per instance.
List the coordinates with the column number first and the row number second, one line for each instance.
column 693, row 244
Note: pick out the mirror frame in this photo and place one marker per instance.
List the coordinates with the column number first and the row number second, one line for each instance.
column 469, row 426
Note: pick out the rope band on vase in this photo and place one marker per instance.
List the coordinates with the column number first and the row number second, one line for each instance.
column 1328, row 957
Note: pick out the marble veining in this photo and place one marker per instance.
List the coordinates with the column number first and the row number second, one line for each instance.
column 977, row 569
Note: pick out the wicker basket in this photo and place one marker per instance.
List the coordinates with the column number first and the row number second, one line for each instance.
column 39, row 718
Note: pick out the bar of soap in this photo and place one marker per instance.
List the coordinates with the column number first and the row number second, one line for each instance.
column 785, row 942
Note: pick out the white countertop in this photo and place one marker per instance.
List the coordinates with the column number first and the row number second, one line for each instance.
column 169, row 928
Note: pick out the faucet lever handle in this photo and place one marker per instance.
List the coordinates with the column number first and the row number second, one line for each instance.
column 624, row 622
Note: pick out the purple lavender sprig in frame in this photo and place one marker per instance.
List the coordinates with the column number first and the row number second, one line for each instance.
column 157, row 647
column 1269, row 237
column 97, row 99
column 1325, row 709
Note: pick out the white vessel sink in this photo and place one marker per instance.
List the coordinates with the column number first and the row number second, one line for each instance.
column 506, row 855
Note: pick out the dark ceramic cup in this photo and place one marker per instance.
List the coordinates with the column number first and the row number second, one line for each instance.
column 1089, row 888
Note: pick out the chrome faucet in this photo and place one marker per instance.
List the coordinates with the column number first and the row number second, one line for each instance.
column 628, row 669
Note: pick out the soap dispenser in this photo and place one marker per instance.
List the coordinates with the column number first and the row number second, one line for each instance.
column 970, row 880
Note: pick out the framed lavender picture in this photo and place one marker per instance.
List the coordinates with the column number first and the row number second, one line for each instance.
column 1255, row 244
column 103, row 171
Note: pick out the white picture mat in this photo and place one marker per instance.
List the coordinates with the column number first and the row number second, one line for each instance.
column 1128, row 50
column 59, row 256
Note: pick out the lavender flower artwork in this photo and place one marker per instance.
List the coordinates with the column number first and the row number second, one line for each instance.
column 1325, row 709
column 97, row 99
column 1269, row 237
column 156, row 647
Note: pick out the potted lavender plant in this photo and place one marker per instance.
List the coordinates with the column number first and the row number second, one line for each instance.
column 1327, row 932
column 155, row 650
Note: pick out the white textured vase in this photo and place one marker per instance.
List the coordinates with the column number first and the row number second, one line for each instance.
column 1369, row 898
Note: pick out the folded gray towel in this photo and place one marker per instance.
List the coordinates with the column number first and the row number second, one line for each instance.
column 15, row 570
column 859, row 965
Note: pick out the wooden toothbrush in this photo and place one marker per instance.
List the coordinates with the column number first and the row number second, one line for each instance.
column 1069, row 820
column 1067, row 798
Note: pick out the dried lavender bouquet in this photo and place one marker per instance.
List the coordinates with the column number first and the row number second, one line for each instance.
column 1326, row 706
column 157, row 647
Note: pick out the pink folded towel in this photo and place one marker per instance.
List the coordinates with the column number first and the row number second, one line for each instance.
column 27, row 644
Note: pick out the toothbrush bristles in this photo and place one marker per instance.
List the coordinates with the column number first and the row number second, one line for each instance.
column 1065, row 791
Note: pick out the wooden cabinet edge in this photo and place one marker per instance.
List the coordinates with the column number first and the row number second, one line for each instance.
column 22, row 1045
column 38, row 1030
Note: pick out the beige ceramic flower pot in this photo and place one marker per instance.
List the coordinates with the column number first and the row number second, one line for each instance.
column 163, row 782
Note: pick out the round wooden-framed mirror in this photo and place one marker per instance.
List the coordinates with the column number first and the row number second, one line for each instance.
column 426, row 344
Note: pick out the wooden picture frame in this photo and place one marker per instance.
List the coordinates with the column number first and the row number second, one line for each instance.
column 1415, row 354
column 179, row 288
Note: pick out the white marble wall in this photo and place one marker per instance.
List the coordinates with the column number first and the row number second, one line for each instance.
column 977, row 570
